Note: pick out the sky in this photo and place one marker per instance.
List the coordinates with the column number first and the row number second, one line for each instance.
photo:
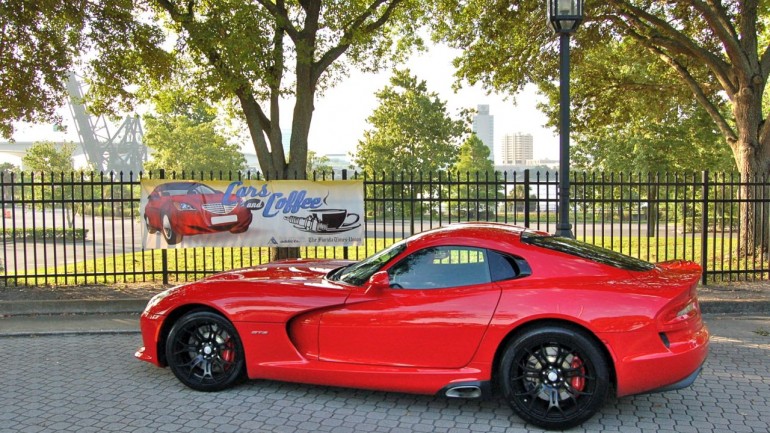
column 339, row 120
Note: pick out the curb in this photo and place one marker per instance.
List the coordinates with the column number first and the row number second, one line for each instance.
column 750, row 306
column 78, row 306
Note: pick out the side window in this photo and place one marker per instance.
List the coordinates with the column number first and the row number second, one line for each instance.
column 441, row 267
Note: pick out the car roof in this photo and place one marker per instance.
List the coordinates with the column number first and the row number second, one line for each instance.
column 477, row 231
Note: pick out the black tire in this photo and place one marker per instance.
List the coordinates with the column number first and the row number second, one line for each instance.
column 171, row 237
column 204, row 352
column 554, row 377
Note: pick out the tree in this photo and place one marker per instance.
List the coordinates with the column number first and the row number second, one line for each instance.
column 181, row 145
column 474, row 166
column 413, row 132
column 718, row 51
column 45, row 157
column 51, row 162
column 40, row 42
column 413, row 135
column 253, row 54
column 318, row 165
column 7, row 172
column 650, row 132
column 473, row 157
column 184, row 137
column 49, row 31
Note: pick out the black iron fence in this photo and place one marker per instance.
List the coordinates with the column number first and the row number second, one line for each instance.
column 84, row 228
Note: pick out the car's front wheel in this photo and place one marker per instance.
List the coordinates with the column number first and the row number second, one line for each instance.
column 172, row 237
column 150, row 228
column 554, row 377
column 204, row 351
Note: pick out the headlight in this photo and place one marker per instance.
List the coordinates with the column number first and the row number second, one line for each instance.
column 183, row 206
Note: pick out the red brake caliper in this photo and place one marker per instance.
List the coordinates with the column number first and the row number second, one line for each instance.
column 228, row 354
column 578, row 382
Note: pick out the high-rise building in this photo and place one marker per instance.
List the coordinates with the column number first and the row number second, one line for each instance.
column 484, row 127
column 517, row 149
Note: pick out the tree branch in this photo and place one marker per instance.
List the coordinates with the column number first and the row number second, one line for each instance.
column 355, row 25
column 697, row 91
column 674, row 40
column 281, row 15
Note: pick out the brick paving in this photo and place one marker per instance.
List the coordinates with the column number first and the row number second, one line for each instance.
column 92, row 383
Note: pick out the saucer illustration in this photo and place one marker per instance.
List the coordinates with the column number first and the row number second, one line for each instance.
column 323, row 221
column 326, row 231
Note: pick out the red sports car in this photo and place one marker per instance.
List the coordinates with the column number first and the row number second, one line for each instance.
column 551, row 323
column 177, row 209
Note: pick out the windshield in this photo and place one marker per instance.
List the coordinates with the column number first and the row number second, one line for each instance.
column 586, row 251
column 358, row 273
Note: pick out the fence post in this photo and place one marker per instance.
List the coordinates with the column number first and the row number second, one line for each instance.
column 164, row 251
column 526, row 196
column 345, row 249
column 704, row 226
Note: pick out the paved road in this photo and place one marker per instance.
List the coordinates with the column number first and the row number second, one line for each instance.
column 92, row 383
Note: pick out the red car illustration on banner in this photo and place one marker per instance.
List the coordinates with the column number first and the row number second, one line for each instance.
column 553, row 324
column 179, row 209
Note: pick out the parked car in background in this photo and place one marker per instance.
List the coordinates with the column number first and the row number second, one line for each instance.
column 551, row 323
column 184, row 208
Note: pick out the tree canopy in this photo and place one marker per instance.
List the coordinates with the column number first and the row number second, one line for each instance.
column 473, row 157
column 181, row 145
column 412, row 130
column 254, row 54
column 47, row 158
column 716, row 53
column 251, row 54
column 41, row 42
column 183, row 137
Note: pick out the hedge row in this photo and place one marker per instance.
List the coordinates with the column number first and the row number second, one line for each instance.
column 44, row 234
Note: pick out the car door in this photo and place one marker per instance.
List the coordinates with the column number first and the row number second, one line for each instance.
column 434, row 315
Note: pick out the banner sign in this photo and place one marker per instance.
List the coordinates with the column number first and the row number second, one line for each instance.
column 252, row 213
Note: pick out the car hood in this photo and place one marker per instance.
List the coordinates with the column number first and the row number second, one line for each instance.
column 203, row 198
column 284, row 271
column 268, row 293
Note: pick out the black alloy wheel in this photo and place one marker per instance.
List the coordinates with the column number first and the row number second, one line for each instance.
column 204, row 352
column 554, row 377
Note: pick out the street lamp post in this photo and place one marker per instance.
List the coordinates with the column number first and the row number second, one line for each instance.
column 564, row 16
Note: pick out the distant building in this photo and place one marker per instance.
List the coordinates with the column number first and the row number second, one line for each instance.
column 484, row 127
column 517, row 149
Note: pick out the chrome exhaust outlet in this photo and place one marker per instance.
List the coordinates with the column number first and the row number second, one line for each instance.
column 464, row 391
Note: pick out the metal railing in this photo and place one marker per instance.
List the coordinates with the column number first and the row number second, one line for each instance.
column 84, row 228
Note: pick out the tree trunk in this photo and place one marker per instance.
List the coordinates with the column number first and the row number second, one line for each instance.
column 754, row 209
column 752, row 155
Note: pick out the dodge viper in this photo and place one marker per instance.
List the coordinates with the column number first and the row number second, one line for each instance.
column 177, row 209
column 551, row 324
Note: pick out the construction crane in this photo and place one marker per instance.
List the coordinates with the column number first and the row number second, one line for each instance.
column 122, row 152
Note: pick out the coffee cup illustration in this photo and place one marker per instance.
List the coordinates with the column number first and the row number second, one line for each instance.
column 326, row 220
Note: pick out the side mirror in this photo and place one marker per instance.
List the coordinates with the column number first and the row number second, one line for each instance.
column 379, row 281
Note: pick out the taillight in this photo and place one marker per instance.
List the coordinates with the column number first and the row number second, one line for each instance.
column 678, row 312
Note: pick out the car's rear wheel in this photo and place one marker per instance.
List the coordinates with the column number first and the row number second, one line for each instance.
column 204, row 351
column 172, row 237
column 554, row 377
